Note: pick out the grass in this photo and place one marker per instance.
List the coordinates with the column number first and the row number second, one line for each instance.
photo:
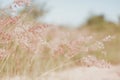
column 38, row 57
column 33, row 49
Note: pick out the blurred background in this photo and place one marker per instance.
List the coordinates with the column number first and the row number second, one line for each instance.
column 75, row 13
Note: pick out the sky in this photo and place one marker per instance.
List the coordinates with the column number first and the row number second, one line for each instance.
column 76, row 12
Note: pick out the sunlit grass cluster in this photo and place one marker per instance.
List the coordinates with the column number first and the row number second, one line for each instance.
column 29, row 48
column 38, row 50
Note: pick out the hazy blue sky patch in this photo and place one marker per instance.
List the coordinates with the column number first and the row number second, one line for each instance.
column 76, row 12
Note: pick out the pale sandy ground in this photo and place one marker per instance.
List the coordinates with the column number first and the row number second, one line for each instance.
column 79, row 73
